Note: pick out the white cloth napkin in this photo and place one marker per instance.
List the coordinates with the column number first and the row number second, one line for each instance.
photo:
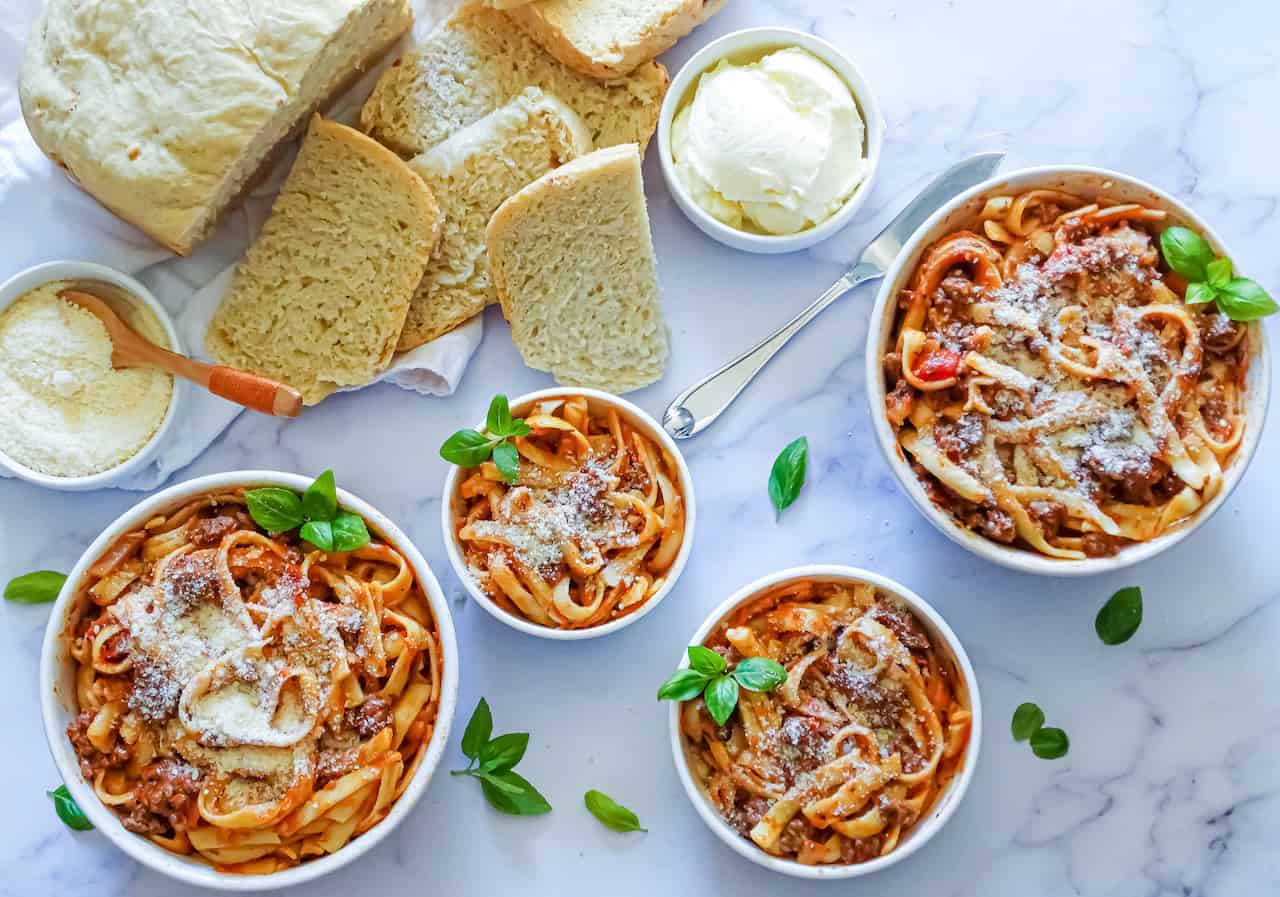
column 48, row 218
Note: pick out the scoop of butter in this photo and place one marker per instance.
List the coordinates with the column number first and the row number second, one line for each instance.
column 774, row 145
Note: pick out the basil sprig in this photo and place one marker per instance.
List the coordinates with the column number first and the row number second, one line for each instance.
column 611, row 813
column 315, row 514
column 471, row 448
column 1120, row 617
column 708, row 675
column 1210, row 277
column 786, row 479
column 39, row 587
column 1047, row 743
column 492, row 763
column 68, row 810
column 1027, row 720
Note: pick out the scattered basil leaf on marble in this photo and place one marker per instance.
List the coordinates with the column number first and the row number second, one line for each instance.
column 319, row 533
column 1027, row 720
column 611, row 813
column 68, row 810
column 759, row 674
column 786, row 479
column 1120, row 617
column 684, row 685
column 706, row 675
column 320, row 501
column 721, row 696
column 470, row 448
column 704, row 660
column 38, row 587
column 478, row 730
column 1049, row 743
column 504, row 752
column 315, row 515
column 274, row 509
column 509, row 792
column 1211, row 278
column 491, row 764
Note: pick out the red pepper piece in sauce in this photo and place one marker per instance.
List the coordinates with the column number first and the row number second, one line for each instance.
column 940, row 365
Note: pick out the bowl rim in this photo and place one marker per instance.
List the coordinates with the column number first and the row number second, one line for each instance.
column 28, row 279
column 55, row 713
column 863, row 94
column 454, row 477
column 942, row 809
column 1024, row 560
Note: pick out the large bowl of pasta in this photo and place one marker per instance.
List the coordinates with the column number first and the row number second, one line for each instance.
column 236, row 708
column 1048, row 388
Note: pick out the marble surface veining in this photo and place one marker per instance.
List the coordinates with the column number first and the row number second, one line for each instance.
column 1172, row 785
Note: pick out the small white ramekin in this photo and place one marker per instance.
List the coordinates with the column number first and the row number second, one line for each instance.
column 942, row 639
column 57, row 691
column 1086, row 182
column 763, row 39
column 51, row 272
column 642, row 422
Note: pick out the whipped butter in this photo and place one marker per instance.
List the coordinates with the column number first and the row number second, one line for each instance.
column 773, row 146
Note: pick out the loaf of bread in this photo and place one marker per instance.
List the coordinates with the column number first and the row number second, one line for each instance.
column 168, row 112
column 608, row 39
column 321, row 297
column 470, row 175
column 571, row 258
column 476, row 61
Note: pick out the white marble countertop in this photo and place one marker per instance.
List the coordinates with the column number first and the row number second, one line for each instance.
column 1172, row 784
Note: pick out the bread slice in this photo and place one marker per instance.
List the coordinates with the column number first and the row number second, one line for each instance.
column 168, row 112
column 470, row 175
column 321, row 297
column 572, row 260
column 476, row 61
column 609, row 38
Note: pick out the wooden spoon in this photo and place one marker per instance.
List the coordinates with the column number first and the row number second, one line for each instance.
column 129, row 349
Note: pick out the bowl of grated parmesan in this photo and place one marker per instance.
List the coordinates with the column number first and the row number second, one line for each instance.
column 68, row 419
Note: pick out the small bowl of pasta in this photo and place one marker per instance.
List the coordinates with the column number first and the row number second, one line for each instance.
column 231, row 705
column 862, row 747
column 589, row 528
column 1049, row 384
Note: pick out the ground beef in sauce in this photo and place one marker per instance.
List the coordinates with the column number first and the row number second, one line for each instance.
column 93, row 761
column 744, row 815
column 998, row 525
column 899, row 402
column 1218, row 332
column 206, row 532
column 959, row 438
column 901, row 623
column 1048, row 515
column 1100, row 545
column 165, row 795
column 371, row 717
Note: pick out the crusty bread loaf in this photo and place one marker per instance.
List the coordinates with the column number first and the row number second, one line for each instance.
column 571, row 258
column 476, row 61
column 470, row 175
column 321, row 297
column 168, row 112
column 609, row 38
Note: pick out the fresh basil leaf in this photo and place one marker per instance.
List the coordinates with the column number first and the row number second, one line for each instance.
column 704, row 660
column 1218, row 272
column 684, row 685
column 1049, row 743
column 503, row 752
column 787, row 477
column 1120, row 617
column 1244, row 300
column 467, row 448
column 1027, row 720
column 495, row 779
column 1199, row 293
column 349, row 532
column 760, row 674
column 68, row 810
column 519, row 428
column 510, row 793
column 38, row 587
column 507, row 460
column 319, row 533
column 613, row 814
column 498, row 421
column 1186, row 252
column 721, row 697
column 320, row 501
column 479, row 729
column 274, row 509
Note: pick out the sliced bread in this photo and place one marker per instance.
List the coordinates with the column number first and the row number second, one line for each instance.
column 470, row 175
column 168, row 112
column 609, row 38
column 572, row 261
column 321, row 297
column 476, row 61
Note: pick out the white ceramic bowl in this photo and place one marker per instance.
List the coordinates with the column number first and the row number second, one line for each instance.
column 57, row 691
column 962, row 211
column 943, row 640
column 642, row 422
column 49, row 272
column 762, row 39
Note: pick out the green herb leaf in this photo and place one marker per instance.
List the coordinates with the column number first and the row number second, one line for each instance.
column 1186, row 252
column 1027, row 720
column 1199, row 293
column 510, row 793
column 479, row 729
column 349, row 532
column 498, row 421
column 320, row 501
column 613, row 814
column 1218, row 272
column 274, row 509
column 1120, row 617
column 704, row 660
column 1049, row 743
column 760, row 674
column 1243, row 300
column 68, row 810
column 684, row 685
column 787, row 477
column 721, row 697
column 507, row 460
column 503, row 752
column 467, row 448
column 39, row 587
column 519, row 428
column 319, row 533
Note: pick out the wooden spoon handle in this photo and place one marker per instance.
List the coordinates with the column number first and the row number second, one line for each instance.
column 252, row 391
